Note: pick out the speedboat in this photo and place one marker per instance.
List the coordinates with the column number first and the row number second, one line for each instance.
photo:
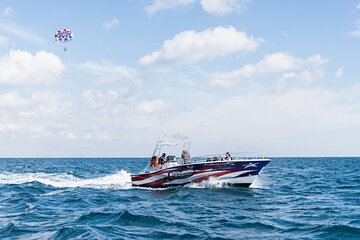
column 235, row 169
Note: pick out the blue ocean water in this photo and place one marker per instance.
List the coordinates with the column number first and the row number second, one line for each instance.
column 294, row 198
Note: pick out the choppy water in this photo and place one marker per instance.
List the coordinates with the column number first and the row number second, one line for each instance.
column 294, row 198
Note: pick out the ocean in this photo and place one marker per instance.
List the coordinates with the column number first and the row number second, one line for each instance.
column 91, row 198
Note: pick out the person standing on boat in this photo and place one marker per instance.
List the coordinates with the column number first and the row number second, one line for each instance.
column 185, row 157
column 162, row 159
column 228, row 156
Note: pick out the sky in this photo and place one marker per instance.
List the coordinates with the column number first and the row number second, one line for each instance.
column 280, row 77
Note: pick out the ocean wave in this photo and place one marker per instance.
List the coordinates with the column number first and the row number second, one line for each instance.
column 124, row 217
column 74, row 233
column 54, row 200
column 340, row 231
column 6, row 230
column 121, row 180
column 15, row 232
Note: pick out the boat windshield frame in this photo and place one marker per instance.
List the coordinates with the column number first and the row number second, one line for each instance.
column 170, row 141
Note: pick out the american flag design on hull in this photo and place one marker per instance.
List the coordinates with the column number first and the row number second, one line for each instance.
column 237, row 172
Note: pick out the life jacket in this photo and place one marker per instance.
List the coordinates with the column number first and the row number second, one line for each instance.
column 154, row 161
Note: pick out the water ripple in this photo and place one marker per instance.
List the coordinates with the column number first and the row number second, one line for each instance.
column 294, row 198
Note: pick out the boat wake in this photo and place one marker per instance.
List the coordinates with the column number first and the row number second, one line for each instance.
column 119, row 180
column 216, row 183
column 260, row 183
column 211, row 183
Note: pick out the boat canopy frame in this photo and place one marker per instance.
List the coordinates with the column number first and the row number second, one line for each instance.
column 171, row 140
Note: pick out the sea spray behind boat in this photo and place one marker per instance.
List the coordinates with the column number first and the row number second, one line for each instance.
column 120, row 179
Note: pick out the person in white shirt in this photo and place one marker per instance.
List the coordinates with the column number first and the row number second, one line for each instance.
column 185, row 156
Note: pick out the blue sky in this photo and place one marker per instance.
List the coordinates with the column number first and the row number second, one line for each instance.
column 235, row 75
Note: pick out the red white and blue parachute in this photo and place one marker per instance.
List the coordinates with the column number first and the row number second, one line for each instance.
column 64, row 36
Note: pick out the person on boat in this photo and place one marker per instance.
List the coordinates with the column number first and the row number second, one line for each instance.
column 162, row 159
column 154, row 161
column 228, row 156
column 185, row 157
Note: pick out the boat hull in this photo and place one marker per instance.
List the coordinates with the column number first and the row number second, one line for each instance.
column 232, row 172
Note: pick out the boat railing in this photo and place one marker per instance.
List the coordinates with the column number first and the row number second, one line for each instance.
column 229, row 156
column 175, row 161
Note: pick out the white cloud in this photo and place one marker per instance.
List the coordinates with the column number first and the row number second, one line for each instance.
column 11, row 100
column 339, row 73
column 59, row 115
column 107, row 72
column 307, row 77
column 190, row 46
column 310, row 76
column 9, row 12
column 215, row 7
column 356, row 32
column 159, row 5
column 23, row 68
column 20, row 32
column 358, row 6
column 99, row 99
column 46, row 104
column 277, row 62
column 10, row 127
column 223, row 7
column 154, row 106
column 297, row 122
column 111, row 24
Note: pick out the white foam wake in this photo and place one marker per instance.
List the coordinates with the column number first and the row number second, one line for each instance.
column 210, row 183
column 261, row 183
column 121, row 179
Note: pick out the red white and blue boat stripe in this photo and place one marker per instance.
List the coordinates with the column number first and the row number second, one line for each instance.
column 235, row 172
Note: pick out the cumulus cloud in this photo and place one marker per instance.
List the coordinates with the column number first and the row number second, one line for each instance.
column 35, row 115
column 190, row 47
column 45, row 105
column 94, row 115
column 23, row 68
column 223, row 7
column 159, row 5
column 277, row 62
column 91, row 115
column 307, row 77
column 154, row 106
column 293, row 122
column 99, row 99
column 11, row 100
column 111, row 24
column 8, row 12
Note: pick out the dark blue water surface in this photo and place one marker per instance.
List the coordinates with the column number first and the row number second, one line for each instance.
column 294, row 198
